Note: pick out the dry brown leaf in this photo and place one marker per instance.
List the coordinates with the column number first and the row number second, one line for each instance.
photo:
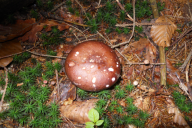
column 78, row 110
column 162, row 34
column 137, row 46
column 178, row 117
column 15, row 30
column 66, row 95
column 50, row 23
column 31, row 35
column 9, row 48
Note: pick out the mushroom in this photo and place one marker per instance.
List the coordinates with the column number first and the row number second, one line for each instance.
column 92, row 66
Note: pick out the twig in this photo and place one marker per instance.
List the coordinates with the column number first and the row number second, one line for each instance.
column 82, row 8
column 124, row 10
column 57, row 6
column 187, row 80
column 6, row 83
column 186, row 61
column 146, row 64
column 57, row 78
column 46, row 55
column 181, row 36
column 189, row 10
column 132, row 30
column 140, row 24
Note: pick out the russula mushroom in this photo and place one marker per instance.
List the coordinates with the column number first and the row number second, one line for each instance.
column 92, row 66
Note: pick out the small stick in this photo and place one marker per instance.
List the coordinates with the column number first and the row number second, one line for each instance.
column 187, row 80
column 58, row 6
column 6, row 83
column 186, row 61
column 132, row 30
column 46, row 55
column 140, row 24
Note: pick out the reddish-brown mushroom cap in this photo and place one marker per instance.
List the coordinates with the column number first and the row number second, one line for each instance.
column 92, row 66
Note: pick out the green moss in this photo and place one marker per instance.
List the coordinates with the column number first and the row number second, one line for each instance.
column 30, row 102
column 181, row 102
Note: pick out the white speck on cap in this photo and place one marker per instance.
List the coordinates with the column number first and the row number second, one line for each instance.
column 92, row 66
column 83, row 68
column 107, row 86
column 79, row 77
column 113, row 79
column 91, row 60
column 111, row 69
column 76, row 53
column 71, row 64
column 93, row 85
column 104, row 70
column 94, row 80
column 135, row 83
column 117, row 65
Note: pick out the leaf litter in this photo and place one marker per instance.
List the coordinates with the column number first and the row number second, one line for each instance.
column 148, row 95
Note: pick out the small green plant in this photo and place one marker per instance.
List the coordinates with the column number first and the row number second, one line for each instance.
column 50, row 70
column 122, row 15
column 128, row 119
column 160, row 6
column 101, row 103
column 111, row 108
column 179, row 30
column 139, row 123
column 18, row 59
column 99, row 16
column 143, row 115
column 34, row 14
column 178, row 64
column 128, row 7
column 93, row 115
column 118, row 30
column 71, row 10
column 53, row 38
column 107, row 17
column 68, row 3
column 113, row 102
column 126, row 30
column 109, row 6
column 57, row 66
column 119, row 109
column 112, row 21
column 129, row 87
column 106, row 123
column 105, row 94
column 88, row 15
column 39, row 3
column 129, row 100
column 131, row 109
column 93, row 25
column 166, row 48
column 2, row 82
column 100, row 110
column 139, row 29
column 108, row 30
column 82, row 93
column 120, row 94
column 181, row 102
column 49, row 4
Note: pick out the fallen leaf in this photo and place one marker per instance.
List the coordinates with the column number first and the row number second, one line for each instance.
column 78, row 110
column 9, row 48
column 178, row 117
column 162, row 34
column 15, row 30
